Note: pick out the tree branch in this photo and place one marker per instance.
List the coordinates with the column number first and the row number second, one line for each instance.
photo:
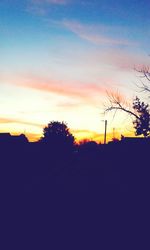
column 122, row 109
column 145, row 73
column 116, row 102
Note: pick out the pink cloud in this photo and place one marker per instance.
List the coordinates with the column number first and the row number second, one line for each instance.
column 108, row 60
column 84, row 93
column 96, row 34
column 125, row 60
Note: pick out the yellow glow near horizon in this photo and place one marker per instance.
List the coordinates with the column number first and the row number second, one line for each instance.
column 34, row 133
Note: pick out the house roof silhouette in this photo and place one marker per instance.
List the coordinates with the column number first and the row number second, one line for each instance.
column 8, row 138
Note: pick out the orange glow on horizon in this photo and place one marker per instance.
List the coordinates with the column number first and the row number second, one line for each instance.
column 79, row 135
column 33, row 131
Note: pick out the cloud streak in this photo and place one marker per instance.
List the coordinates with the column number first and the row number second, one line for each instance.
column 84, row 93
column 4, row 120
column 123, row 60
column 57, row 2
column 95, row 34
column 40, row 7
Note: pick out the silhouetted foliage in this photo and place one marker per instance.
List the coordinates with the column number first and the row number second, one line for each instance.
column 89, row 145
column 138, row 110
column 115, row 139
column 141, row 124
column 99, row 180
column 57, row 135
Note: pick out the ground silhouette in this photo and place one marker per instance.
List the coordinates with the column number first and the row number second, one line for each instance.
column 92, row 189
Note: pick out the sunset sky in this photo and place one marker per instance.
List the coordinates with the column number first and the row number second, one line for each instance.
column 59, row 57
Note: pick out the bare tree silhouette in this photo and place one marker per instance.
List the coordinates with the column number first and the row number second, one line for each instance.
column 139, row 111
column 117, row 103
column 144, row 76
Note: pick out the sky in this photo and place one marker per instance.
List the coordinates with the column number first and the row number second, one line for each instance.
column 58, row 58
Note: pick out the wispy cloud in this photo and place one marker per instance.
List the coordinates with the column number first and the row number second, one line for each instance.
column 40, row 7
column 59, row 2
column 97, row 34
column 122, row 60
column 85, row 93
column 4, row 120
column 7, row 125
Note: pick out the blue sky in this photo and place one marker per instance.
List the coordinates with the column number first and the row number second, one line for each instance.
column 58, row 58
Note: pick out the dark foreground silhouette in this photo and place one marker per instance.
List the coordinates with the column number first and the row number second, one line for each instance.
column 88, row 196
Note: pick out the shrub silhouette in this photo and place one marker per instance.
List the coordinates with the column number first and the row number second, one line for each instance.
column 58, row 136
column 142, row 125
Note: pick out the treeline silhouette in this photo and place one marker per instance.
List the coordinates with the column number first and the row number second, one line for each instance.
column 76, row 183
column 56, row 160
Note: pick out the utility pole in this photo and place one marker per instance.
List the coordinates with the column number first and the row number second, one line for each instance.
column 105, row 133
column 113, row 133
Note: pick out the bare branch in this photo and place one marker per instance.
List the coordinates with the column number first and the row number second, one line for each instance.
column 122, row 109
column 144, row 74
column 117, row 102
